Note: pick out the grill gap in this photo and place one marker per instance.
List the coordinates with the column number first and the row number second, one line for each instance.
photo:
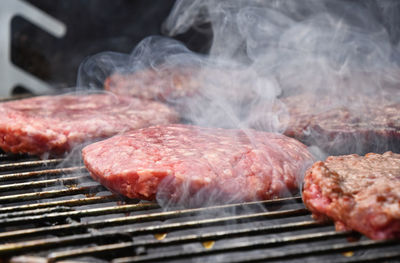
column 45, row 208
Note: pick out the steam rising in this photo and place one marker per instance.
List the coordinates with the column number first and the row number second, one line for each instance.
column 263, row 51
column 306, row 45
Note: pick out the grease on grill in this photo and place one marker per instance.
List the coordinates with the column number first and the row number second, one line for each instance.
column 348, row 253
column 160, row 236
column 208, row 244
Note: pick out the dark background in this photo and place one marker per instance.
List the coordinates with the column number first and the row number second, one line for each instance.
column 94, row 26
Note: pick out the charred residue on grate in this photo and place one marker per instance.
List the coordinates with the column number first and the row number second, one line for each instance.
column 47, row 210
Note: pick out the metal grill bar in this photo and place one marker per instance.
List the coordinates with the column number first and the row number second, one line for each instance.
column 83, row 238
column 230, row 248
column 79, row 213
column 41, row 230
column 155, row 216
column 322, row 249
column 271, row 255
column 41, row 173
column 50, row 194
column 111, row 241
column 35, row 259
column 35, row 212
column 151, row 229
column 184, row 239
column 43, row 183
column 123, row 246
column 370, row 258
column 73, row 202
column 29, row 164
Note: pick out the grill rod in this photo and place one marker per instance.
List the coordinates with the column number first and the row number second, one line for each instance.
column 51, row 194
column 271, row 255
column 152, row 229
column 41, row 173
column 79, row 213
column 15, row 247
column 272, row 241
column 366, row 258
column 69, row 203
column 29, row 164
column 36, row 212
column 44, row 183
column 322, row 249
column 99, row 211
column 94, row 236
column 185, row 239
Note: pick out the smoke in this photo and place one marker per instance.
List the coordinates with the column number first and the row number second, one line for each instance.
column 343, row 54
column 94, row 70
column 337, row 59
column 307, row 45
column 261, row 51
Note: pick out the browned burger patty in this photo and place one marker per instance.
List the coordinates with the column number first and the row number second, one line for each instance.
column 55, row 124
column 357, row 192
column 196, row 166
column 356, row 125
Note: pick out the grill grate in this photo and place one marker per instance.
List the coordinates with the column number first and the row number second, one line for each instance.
column 51, row 212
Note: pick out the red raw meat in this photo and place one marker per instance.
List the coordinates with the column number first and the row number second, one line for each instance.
column 356, row 124
column 165, row 85
column 196, row 166
column 55, row 124
column 357, row 192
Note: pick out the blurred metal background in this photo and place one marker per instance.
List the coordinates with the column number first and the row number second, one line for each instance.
column 42, row 42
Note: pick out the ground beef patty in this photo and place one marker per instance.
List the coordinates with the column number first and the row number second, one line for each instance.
column 357, row 192
column 356, row 124
column 163, row 84
column 174, row 84
column 205, row 96
column 196, row 166
column 55, row 124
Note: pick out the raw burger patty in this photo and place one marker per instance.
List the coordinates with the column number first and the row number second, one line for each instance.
column 165, row 85
column 210, row 163
column 173, row 84
column 357, row 192
column 352, row 125
column 197, row 93
column 55, row 124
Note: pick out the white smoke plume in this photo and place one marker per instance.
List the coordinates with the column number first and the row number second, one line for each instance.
column 338, row 54
column 265, row 49
column 340, row 51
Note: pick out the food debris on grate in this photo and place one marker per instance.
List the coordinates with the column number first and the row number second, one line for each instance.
column 53, row 212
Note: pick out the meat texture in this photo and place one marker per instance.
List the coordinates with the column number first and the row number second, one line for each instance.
column 339, row 123
column 55, row 124
column 164, row 84
column 193, row 166
column 174, row 84
column 357, row 192
column 356, row 124
column 205, row 96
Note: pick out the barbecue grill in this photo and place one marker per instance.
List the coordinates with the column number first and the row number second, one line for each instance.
column 52, row 211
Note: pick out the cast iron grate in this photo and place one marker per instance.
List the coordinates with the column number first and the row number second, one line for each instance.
column 53, row 212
